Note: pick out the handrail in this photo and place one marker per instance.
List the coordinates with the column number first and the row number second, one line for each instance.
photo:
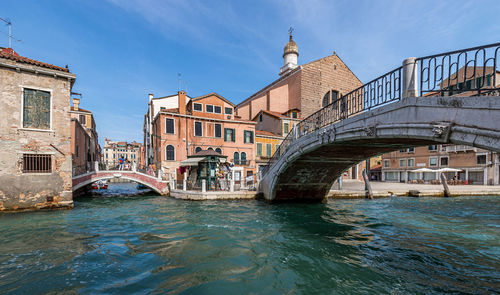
column 390, row 87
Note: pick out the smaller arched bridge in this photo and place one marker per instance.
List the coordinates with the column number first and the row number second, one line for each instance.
column 156, row 184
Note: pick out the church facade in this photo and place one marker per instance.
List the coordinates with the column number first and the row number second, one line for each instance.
column 301, row 90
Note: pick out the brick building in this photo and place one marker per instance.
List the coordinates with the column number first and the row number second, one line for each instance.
column 35, row 133
column 207, row 122
column 301, row 90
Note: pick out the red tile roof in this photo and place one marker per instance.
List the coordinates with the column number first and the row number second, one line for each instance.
column 9, row 53
column 265, row 133
column 80, row 110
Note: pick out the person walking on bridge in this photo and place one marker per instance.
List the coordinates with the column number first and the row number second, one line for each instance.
column 120, row 167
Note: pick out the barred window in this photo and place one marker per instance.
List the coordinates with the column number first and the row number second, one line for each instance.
column 36, row 109
column 34, row 163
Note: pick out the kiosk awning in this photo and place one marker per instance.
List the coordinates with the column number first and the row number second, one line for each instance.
column 191, row 161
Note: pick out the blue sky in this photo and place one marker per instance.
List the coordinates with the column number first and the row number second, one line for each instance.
column 121, row 50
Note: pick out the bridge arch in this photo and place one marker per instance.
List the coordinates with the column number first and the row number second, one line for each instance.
column 311, row 163
column 151, row 182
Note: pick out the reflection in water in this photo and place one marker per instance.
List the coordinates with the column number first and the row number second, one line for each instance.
column 153, row 244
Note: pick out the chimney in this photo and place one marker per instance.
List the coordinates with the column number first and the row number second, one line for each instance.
column 76, row 103
column 182, row 102
column 150, row 97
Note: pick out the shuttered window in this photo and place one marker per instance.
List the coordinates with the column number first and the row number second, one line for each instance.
column 36, row 109
column 170, row 126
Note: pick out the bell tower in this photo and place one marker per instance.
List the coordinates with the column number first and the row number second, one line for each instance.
column 290, row 55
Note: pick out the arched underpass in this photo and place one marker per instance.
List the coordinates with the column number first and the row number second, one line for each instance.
column 311, row 163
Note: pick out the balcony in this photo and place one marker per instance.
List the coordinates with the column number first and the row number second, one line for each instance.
column 458, row 148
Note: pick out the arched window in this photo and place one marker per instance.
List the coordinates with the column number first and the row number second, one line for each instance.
column 218, row 150
column 210, row 149
column 243, row 158
column 236, row 157
column 170, row 153
column 326, row 99
column 330, row 97
column 198, row 149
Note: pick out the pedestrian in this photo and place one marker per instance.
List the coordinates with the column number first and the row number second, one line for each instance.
column 120, row 167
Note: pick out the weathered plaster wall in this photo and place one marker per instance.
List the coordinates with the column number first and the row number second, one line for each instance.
column 34, row 190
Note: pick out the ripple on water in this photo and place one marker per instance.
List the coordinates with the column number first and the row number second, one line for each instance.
column 152, row 244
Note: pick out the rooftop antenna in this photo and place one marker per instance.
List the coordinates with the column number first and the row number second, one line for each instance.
column 9, row 23
column 179, row 81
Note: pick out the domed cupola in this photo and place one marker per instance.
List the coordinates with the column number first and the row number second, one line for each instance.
column 290, row 55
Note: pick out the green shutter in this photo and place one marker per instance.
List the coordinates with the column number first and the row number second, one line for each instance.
column 36, row 109
column 269, row 150
column 259, row 149
column 233, row 135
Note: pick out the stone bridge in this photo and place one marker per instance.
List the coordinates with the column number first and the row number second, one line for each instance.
column 156, row 184
column 310, row 164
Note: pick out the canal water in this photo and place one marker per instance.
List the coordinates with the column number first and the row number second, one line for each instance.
column 115, row 244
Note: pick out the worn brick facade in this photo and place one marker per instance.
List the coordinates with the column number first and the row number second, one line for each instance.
column 20, row 190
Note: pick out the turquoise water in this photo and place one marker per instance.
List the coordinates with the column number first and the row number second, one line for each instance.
column 156, row 245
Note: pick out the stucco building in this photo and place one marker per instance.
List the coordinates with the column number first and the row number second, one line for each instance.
column 35, row 133
column 130, row 151
column 474, row 165
column 84, row 140
column 206, row 122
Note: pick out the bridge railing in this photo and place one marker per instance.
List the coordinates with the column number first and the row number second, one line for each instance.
column 471, row 71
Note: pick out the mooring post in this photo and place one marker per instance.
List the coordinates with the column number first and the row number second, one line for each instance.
column 339, row 181
column 231, row 185
column 445, row 185
column 368, row 187
column 203, row 185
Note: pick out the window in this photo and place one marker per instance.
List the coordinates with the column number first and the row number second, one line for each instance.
column 402, row 151
column 411, row 162
column 198, row 129
column 294, row 115
column 169, row 125
column 481, row 159
column 443, row 161
column 209, row 108
column 83, row 119
column 77, row 151
column 411, row 150
column 236, row 157
column 36, row 109
column 259, row 149
column 198, row 107
column 197, row 149
column 217, row 110
column 260, row 118
column 35, row 163
column 433, row 161
column 218, row 150
column 433, row 147
column 386, row 163
column 210, row 149
column 330, row 97
column 229, row 134
column 217, row 130
column 243, row 159
column 248, row 136
column 170, row 153
column 402, row 162
column 228, row 111
column 285, row 128
column 326, row 99
column 269, row 151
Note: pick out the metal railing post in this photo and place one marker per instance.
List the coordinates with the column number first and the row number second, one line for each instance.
column 410, row 84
